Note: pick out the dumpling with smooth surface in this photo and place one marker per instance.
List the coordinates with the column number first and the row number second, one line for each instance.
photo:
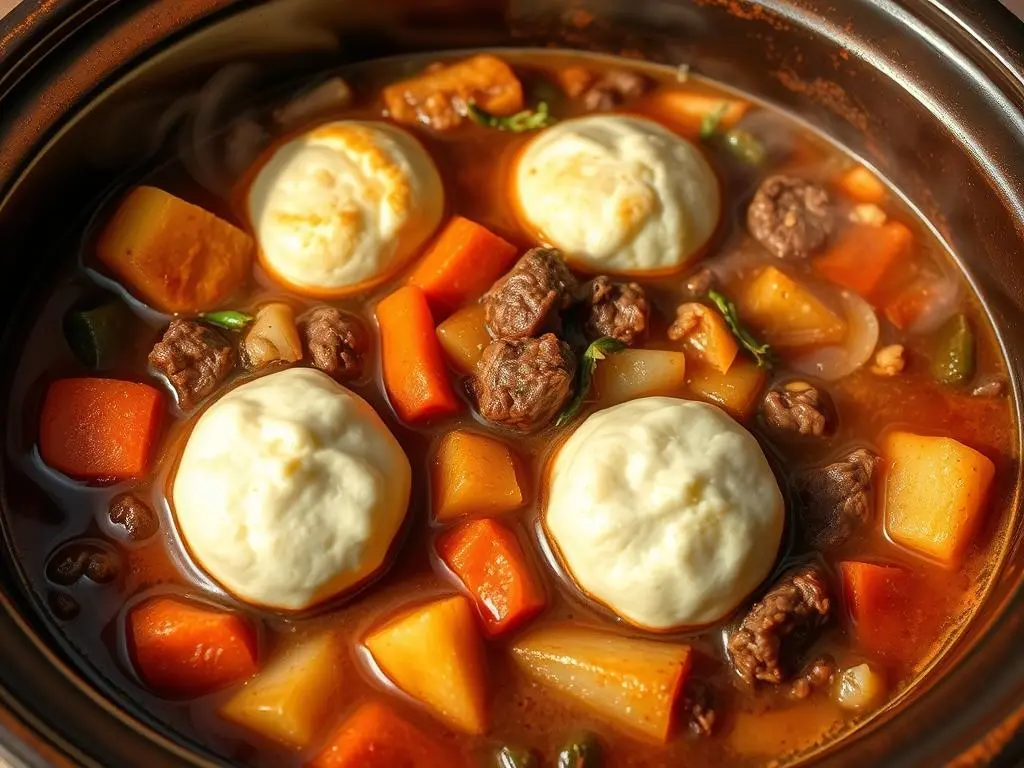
column 291, row 490
column 664, row 510
column 344, row 206
column 617, row 194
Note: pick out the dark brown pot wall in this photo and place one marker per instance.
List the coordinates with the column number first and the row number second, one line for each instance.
column 929, row 91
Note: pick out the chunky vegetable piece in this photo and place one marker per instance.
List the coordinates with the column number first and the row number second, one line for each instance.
column 464, row 337
column 879, row 600
column 862, row 185
column 953, row 354
column 786, row 313
column 375, row 736
column 696, row 114
column 705, row 331
column 99, row 430
column 935, row 491
column 488, row 560
column 863, row 255
column 634, row 683
column 272, row 337
column 598, row 350
column 462, row 263
column 100, row 334
column 736, row 391
column 860, row 688
column 187, row 649
column 174, row 255
column 415, row 374
column 439, row 97
column 634, row 373
column 292, row 699
column 434, row 653
column 473, row 475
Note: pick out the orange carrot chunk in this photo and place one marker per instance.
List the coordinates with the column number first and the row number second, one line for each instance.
column 862, row 256
column 99, row 430
column 376, row 737
column 415, row 374
column 461, row 264
column 182, row 649
column 488, row 560
column 862, row 185
column 878, row 602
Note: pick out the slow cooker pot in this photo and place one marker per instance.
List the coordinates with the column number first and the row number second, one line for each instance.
column 931, row 92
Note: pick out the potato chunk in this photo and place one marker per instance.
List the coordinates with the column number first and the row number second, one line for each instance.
column 787, row 314
column 634, row 373
column 632, row 682
column 935, row 490
column 173, row 255
column 438, row 97
column 435, row 654
column 473, row 475
column 464, row 336
column 736, row 391
column 292, row 699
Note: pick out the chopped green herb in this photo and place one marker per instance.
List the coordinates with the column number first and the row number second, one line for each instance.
column 709, row 125
column 228, row 318
column 520, row 122
column 598, row 350
column 745, row 146
column 761, row 351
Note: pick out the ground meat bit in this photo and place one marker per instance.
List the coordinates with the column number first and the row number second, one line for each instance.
column 102, row 567
column 63, row 605
column 836, row 499
column 619, row 310
column 612, row 88
column 522, row 384
column 799, row 407
column 790, row 217
column 195, row 359
column 529, row 298
column 137, row 517
column 779, row 625
column 82, row 558
column 890, row 360
column 697, row 284
column 699, row 706
column 336, row 342
column 816, row 676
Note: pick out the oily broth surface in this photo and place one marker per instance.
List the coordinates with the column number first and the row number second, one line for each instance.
column 474, row 164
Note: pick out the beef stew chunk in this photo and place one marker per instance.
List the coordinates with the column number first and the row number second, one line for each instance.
column 609, row 89
column 135, row 515
column 83, row 558
column 698, row 283
column 618, row 310
column 836, row 499
column 522, row 384
column 792, row 218
column 195, row 359
column 799, row 408
column 336, row 342
column 699, row 709
column 816, row 676
column 778, row 626
column 528, row 300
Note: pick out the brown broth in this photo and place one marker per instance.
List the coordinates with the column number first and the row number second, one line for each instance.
column 752, row 726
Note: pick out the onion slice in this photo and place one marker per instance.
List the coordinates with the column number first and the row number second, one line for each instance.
column 836, row 361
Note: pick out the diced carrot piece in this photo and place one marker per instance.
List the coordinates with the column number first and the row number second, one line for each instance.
column 415, row 375
column 435, row 654
column 862, row 185
column 488, row 560
column 686, row 111
column 878, row 599
column 464, row 337
column 473, row 475
column 185, row 649
column 935, row 491
column 786, row 313
column 633, row 683
column 707, row 334
column 736, row 391
column 438, row 96
column 99, row 429
column 862, row 256
column 915, row 299
column 461, row 264
column 175, row 256
column 374, row 736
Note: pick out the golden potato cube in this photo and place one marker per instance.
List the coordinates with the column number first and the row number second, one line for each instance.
column 786, row 313
column 473, row 475
column 464, row 337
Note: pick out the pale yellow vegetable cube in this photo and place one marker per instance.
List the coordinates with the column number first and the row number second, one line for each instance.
column 634, row 373
column 463, row 337
column 294, row 697
column 787, row 314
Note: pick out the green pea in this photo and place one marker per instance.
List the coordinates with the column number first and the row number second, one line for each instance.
column 954, row 351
